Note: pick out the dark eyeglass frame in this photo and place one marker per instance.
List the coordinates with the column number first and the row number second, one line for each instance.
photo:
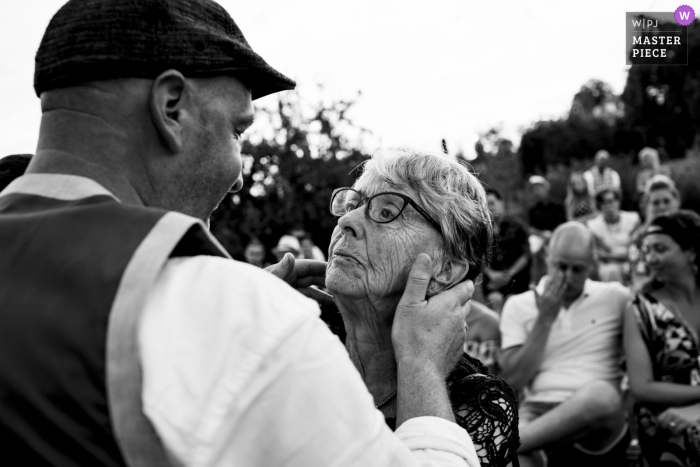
column 368, row 200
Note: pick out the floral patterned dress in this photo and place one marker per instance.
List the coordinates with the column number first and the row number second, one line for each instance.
column 674, row 352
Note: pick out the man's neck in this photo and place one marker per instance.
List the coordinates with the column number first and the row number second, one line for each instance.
column 60, row 162
column 683, row 288
column 77, row 143
column 612, row 218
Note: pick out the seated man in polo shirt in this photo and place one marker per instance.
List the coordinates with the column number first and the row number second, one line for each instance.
column 561, row 347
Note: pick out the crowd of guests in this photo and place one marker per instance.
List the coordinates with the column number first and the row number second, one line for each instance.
column 603, row 349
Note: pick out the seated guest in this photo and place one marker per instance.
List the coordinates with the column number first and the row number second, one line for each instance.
column 483, row 336
column 661, row 343
column 509, row 271
column 544, row 216
column 613, row 230
column 651, row 166
column 579, row 203
column 660, row 197
column 287, row 244
column 309, row 250
column 403, row 205
column 601, row 174
column 561, row 346
column 255, row 253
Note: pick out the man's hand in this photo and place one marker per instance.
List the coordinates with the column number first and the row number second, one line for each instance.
column 303, row 274
column 432, row 331
column 552, row 299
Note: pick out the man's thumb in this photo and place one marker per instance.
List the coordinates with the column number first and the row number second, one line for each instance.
column 418, row 280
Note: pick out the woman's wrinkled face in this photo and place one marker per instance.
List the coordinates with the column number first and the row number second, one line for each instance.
column 662, row 202
column 371, row 260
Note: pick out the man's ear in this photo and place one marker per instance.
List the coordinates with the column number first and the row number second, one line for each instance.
column 169, row 95
column 447, row 274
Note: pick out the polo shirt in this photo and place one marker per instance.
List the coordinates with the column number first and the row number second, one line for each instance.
column 584, row 342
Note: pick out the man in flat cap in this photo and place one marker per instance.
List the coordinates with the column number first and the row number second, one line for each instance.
column 127, row 335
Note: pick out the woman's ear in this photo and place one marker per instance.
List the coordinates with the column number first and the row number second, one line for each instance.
column 446, row 275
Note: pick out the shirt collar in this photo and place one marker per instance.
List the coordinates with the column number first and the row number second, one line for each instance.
column 58, row 186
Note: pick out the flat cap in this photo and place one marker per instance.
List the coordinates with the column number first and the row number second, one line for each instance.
column 90, row 40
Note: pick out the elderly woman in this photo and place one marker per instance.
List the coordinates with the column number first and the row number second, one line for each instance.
column 579, row 203
column 406, row 203
column 661, row 343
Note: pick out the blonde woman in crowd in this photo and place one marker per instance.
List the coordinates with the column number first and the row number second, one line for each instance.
column 579, row 203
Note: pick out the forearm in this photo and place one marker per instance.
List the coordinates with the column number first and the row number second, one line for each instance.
column 666, row 394
column 421, row 391
column 520, row 366
column 519, row 264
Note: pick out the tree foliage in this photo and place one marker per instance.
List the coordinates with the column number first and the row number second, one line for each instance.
column 289, row 175
column 662, row 103
column 590, row 126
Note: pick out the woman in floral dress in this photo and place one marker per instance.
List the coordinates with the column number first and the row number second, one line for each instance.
column 662, row 346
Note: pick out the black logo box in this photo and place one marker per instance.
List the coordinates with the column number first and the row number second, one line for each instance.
column 654, row 38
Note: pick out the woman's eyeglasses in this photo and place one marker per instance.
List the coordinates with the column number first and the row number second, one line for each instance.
column 381, row 208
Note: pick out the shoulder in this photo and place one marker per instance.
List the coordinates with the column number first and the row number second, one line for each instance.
column 519, row 307
column 630, row 216
column 230, row 290
column 485, row 406
column 609, row 292
column 595, row 223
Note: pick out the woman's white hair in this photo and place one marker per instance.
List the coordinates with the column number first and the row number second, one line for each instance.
column 447, row 190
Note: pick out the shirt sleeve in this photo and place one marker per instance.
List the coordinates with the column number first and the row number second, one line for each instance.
column 239, row 370
column 590, row 181
column 512, row 326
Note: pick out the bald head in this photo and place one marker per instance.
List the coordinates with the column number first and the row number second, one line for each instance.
column 572, row 252
column 573, row 238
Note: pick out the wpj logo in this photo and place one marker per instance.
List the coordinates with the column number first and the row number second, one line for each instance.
column 658, row 38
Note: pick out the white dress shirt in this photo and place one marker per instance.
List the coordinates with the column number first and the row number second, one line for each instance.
column 240, row 371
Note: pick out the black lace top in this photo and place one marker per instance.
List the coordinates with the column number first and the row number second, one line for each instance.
column 483, row 404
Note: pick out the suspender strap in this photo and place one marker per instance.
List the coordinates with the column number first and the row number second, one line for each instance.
column 135, row 435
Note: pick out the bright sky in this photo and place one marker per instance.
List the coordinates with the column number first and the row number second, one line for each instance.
column 427, row 70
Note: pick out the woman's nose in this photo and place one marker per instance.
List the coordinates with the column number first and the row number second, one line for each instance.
column 352, row 223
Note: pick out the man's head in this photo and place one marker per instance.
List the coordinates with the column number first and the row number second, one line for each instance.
column 602, row 159
column 495, row 202
column 649, row 158
column 157, row 91
column 572, row 251
column 540, row 187
column 255, row 253
column 607, row 200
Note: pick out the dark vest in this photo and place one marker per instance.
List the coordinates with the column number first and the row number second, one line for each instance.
column 61, row 263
